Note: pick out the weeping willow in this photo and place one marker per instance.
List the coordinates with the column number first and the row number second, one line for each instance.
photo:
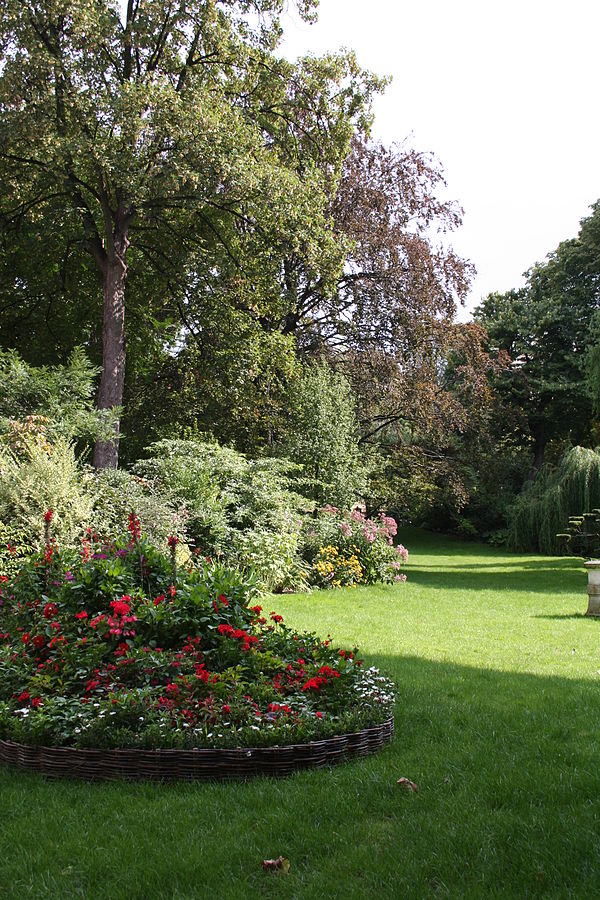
column 543, row 510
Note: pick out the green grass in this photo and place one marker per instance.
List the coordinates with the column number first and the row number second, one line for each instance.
column 497, row 721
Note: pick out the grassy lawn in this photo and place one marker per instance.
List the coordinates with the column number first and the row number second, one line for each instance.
column 497, row 720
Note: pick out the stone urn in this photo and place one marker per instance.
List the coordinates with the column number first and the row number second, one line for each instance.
column 593, row 570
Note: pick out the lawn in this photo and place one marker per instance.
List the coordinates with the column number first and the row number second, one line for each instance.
column 497, row 721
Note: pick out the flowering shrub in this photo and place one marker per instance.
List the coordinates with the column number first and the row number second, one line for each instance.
column 346, row 549
column 120, row 647
column 242, row 511
column 336, row 568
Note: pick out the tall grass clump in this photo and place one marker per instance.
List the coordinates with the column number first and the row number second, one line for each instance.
column 543, row 510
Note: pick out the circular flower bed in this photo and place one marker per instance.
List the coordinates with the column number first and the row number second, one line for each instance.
column 118, row 649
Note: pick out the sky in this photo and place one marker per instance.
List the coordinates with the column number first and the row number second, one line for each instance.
column 506, row 97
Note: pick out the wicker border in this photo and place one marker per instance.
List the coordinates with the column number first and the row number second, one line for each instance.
column 105, row 765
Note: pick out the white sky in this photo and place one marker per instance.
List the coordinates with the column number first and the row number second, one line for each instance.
column 505, row 94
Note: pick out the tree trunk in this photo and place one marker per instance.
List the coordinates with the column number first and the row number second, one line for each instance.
column 539, row 447
column 110, row 394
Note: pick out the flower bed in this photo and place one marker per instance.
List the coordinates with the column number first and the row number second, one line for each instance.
column 105, row 765
column 118, row 651
column 345, row 549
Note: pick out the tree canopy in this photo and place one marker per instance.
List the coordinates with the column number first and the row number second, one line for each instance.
column 546, row 328
column 166, row 138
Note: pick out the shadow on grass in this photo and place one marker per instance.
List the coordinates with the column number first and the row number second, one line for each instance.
column 508, row 778
column 581, row 616
column 553, row 579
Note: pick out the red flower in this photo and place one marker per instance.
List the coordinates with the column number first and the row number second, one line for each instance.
column 158, row 599
column 171, row 590
column 81, row 615
column 328, row 672
column 226, row 709
column 276, row 618
column 36, row 702
column 314, row 684
column 319, row 715
column 25, row 638
column 172, row 541
column 48, row 554
column 48, row 516
column 223, row 599
column 49, row 610
column 24, row 697
column 134, row 526
column 224, row 628
column 121, row 607
column 39, row 641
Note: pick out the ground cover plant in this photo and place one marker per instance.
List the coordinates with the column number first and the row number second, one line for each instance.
column 120, row 647
column 496, row 722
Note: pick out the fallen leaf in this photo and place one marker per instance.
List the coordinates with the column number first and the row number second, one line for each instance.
column 407, row 785
column 281, row 864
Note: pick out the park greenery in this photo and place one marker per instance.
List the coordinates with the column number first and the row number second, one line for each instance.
column 233, row 387
column 497, row 726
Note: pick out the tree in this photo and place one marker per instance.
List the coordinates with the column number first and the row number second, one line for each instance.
column 321, row 433
column 545, row 328
column 148, row 136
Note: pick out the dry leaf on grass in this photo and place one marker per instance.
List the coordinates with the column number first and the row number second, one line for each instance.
column 281, row 864
column 407, row 785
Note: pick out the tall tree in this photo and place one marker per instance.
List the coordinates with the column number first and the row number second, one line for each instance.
column 546, row 330
column 143, row 130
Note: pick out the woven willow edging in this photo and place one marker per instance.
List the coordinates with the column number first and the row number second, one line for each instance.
column 102, row 765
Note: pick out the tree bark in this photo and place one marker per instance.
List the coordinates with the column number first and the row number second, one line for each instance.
column 112, row 380
column 539, row 447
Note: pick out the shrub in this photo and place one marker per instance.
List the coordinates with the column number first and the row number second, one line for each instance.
column 239, row 510
column 542, row 512
column 321, row 434
column 116, row 647
column 40, row 478
column 116, row 493
column 349, row 548
column 58, row 401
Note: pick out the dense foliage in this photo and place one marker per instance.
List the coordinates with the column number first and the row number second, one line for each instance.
column 245, row 512
column 118, row 647
column 540, row 517
column 321, row 433
column 162, row 143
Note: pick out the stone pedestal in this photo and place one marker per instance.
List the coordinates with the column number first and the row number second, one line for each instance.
column 593, row 570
